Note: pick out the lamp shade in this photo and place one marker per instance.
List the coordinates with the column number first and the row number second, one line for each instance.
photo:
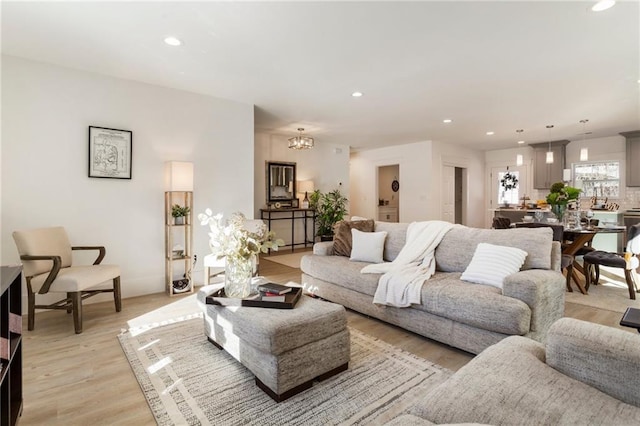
column 178, row 176
column 584, row 154
column 549, row 159
column 305, row 186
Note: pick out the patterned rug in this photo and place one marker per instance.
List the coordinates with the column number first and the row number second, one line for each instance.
column 186, row 380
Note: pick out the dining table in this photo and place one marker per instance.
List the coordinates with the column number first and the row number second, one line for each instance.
column 574, row 241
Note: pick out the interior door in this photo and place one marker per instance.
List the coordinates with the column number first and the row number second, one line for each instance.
column 514, row 196
column 448, row 194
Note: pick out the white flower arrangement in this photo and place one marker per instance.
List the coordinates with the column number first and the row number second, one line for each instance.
column 232, row 239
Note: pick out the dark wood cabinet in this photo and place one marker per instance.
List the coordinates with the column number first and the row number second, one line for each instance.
column 545, row 175
column 10, row 344
column 633, row 157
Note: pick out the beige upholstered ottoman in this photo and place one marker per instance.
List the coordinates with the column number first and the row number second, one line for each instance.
column 286, row 349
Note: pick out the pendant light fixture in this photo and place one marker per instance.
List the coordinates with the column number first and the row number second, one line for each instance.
column 301, row 141
column 519, row 157
column 549, row 159
column 584, row 151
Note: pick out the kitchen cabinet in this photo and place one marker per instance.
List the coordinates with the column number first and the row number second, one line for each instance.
column 633, row 157
column 545, row 175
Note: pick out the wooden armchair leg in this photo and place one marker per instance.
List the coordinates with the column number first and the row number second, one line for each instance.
column 76, row 301
column 69, row 307
column 117, row 297
column 587, row 268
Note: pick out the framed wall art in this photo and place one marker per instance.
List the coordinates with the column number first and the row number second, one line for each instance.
column 110, row 153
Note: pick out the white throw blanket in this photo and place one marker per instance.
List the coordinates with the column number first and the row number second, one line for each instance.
column 401, row 282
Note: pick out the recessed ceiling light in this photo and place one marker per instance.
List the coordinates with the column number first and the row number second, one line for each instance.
column 490, row 133
column 520, row 142
column 603, row 5
column 447, row 120
column 356, row 94
column 172, row 41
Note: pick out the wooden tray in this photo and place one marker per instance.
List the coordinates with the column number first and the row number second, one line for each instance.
column 220, row 299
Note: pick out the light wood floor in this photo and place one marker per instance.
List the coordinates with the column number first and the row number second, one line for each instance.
column 85, row 379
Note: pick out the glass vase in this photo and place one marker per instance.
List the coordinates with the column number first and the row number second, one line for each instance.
column 558, row 210
column 237, row 276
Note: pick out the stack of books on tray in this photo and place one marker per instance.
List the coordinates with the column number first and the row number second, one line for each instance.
column 271, row 295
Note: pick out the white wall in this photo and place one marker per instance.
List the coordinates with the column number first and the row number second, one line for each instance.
column 420, row 178
column 46, row 113
column 415, row 195
column 326, row 164
column 469, row 159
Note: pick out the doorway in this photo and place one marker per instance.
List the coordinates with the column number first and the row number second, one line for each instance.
column 512, row 196
column 454, row 194
column 389, row 193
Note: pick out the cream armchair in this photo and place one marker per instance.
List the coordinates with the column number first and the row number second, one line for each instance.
column 46, row 257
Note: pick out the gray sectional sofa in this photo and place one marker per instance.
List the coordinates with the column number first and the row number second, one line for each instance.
column 468, row 316
column 587, row 374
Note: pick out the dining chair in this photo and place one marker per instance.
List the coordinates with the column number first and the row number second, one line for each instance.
column 46, row 255
column 566, row 262
column 628, row 261
column 501, row 223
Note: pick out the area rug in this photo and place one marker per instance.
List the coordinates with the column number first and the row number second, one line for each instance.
column 609, row 295
column 186, row 380
column 291, row 260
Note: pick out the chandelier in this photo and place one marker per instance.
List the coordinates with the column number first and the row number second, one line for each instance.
column 301, row 141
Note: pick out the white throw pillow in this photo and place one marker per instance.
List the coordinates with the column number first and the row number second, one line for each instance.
column 491, row 264
column 367, row 246
column 356, row 218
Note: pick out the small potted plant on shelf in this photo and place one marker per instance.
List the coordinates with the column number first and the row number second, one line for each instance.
column 179, row 213
column 330, row 209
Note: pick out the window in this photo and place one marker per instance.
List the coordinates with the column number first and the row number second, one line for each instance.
column 600, row 179
column 508, row 184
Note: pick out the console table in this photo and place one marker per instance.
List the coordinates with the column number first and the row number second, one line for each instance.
column 304, row 215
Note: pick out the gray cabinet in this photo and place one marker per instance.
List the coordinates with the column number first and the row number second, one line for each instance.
column 633, row 157
column 545, row 175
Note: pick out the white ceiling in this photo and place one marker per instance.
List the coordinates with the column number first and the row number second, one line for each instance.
column 489, row 66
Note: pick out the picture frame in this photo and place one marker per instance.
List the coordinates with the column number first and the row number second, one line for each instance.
column 110, row 153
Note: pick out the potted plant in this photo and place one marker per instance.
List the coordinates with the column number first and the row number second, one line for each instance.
column 330, row 209
column 178, row 212
column 560, row 196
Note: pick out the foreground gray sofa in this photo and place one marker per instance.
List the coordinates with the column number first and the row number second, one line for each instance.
column 587, row 374
column 464, row 315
